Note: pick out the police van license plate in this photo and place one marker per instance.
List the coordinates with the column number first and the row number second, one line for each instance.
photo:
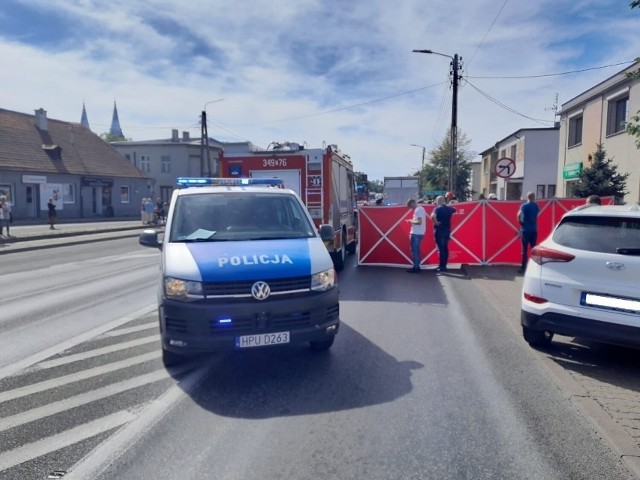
column 262, row 340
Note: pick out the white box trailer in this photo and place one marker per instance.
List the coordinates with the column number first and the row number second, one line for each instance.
column 397, row 190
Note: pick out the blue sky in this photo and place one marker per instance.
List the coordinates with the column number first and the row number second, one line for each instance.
column 311, row 71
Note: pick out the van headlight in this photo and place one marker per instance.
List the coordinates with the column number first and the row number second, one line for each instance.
column 324, row 280
column 177, row 289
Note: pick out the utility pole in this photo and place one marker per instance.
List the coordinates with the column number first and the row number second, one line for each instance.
column 205, row 169
column 455, row 68
column 453, row 165
column 204, row 143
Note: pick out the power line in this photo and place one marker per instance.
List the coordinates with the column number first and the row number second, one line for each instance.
column 487, row 34
column 557, row 74
column 506, row 107
column 348, row 107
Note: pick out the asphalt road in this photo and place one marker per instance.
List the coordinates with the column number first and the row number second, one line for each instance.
column 388, row 385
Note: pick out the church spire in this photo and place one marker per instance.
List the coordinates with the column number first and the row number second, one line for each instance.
column 84, row 120
column 115, row 130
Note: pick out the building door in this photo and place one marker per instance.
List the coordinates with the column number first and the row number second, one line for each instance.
column 32, row 201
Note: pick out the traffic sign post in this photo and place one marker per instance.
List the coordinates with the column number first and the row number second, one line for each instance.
column 505, row 167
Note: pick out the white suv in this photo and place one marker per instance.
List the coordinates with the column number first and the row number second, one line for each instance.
column 584, row 279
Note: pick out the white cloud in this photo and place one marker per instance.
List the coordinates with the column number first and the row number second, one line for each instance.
column 279, row 65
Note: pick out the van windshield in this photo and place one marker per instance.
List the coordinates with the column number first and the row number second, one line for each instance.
column 237, row 216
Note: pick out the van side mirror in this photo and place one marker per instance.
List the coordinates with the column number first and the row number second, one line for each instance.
column 326, row 232
column 149, row 238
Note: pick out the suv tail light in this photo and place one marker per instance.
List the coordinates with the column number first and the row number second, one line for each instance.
column 542, row 255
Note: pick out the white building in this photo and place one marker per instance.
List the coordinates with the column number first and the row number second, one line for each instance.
column 530, row 160
column 598, row 115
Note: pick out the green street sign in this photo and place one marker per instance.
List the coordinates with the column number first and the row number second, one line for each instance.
column 572, row 171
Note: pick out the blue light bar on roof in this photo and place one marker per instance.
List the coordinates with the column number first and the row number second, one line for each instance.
column 228, row 182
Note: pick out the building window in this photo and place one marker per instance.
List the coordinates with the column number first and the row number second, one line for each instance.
column 617, row 114
column 513, row 152
column 69, row 193
column 540, row 191
column 551, row 191
column 145, row 163
column 124, row 194
column 514, row 191
column 575, row 131
column 166, row 164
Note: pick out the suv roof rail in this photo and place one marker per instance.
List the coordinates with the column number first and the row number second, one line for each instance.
column 184, row 182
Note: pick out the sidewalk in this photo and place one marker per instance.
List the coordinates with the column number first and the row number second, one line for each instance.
column 26, row 237
column 604, row 386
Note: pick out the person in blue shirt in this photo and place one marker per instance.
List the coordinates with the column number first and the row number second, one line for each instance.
column 441, row 217
column 528, row 219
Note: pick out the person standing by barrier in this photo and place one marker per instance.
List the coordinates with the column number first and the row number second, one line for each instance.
column 418, row 228
column 53, row 216
column 528, row 219
column 441, row 217
column 594, row 200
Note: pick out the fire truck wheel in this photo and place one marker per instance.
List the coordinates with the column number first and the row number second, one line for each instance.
column 339, row 257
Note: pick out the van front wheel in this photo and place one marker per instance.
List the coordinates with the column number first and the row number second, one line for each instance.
column 322, row 344
column 170, row 359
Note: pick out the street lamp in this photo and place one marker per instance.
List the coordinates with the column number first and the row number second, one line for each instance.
column 455, row 66
column 421, row 168
column 204, row 140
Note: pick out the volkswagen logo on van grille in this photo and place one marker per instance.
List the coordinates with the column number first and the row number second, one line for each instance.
column 260, row 290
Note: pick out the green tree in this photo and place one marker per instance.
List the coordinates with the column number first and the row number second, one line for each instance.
column 601, row 178
column 110, row 137
column 376, row 186
column 435, row 174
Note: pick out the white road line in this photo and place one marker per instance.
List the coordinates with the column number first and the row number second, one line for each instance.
column 98, row 461
column 83, row 375
column 126, row 331
column 97, row 352
column 56, row 442
column 88, row 397
column 26, row 362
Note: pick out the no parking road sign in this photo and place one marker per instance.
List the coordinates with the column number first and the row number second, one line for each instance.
column 505, row 167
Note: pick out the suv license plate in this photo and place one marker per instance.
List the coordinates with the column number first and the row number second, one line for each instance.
column 262, row 340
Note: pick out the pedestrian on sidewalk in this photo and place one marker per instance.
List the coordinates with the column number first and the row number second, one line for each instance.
column 53, row 216
column 528, row 219
column 418, row 227
column 441, row 217
column 5, row 213
column 148, row 211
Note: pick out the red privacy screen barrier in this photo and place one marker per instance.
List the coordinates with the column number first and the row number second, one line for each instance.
column 482, row 232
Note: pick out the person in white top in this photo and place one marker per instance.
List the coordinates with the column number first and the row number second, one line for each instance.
column 418, row 228
column 5, row 216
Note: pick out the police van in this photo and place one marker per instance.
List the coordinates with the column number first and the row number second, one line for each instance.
column 242, row 266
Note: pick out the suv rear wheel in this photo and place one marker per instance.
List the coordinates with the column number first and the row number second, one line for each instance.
column 537, row 338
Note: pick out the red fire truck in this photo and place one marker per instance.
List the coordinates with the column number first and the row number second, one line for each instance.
column 322, row 177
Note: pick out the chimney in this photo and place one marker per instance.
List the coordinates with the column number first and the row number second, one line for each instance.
column 41, row 119
column 185, row 136
column 174, row 135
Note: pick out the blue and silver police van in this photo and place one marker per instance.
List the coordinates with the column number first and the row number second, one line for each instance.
column 242, row 266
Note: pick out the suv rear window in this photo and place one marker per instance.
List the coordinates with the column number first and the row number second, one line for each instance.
column 598, row 233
